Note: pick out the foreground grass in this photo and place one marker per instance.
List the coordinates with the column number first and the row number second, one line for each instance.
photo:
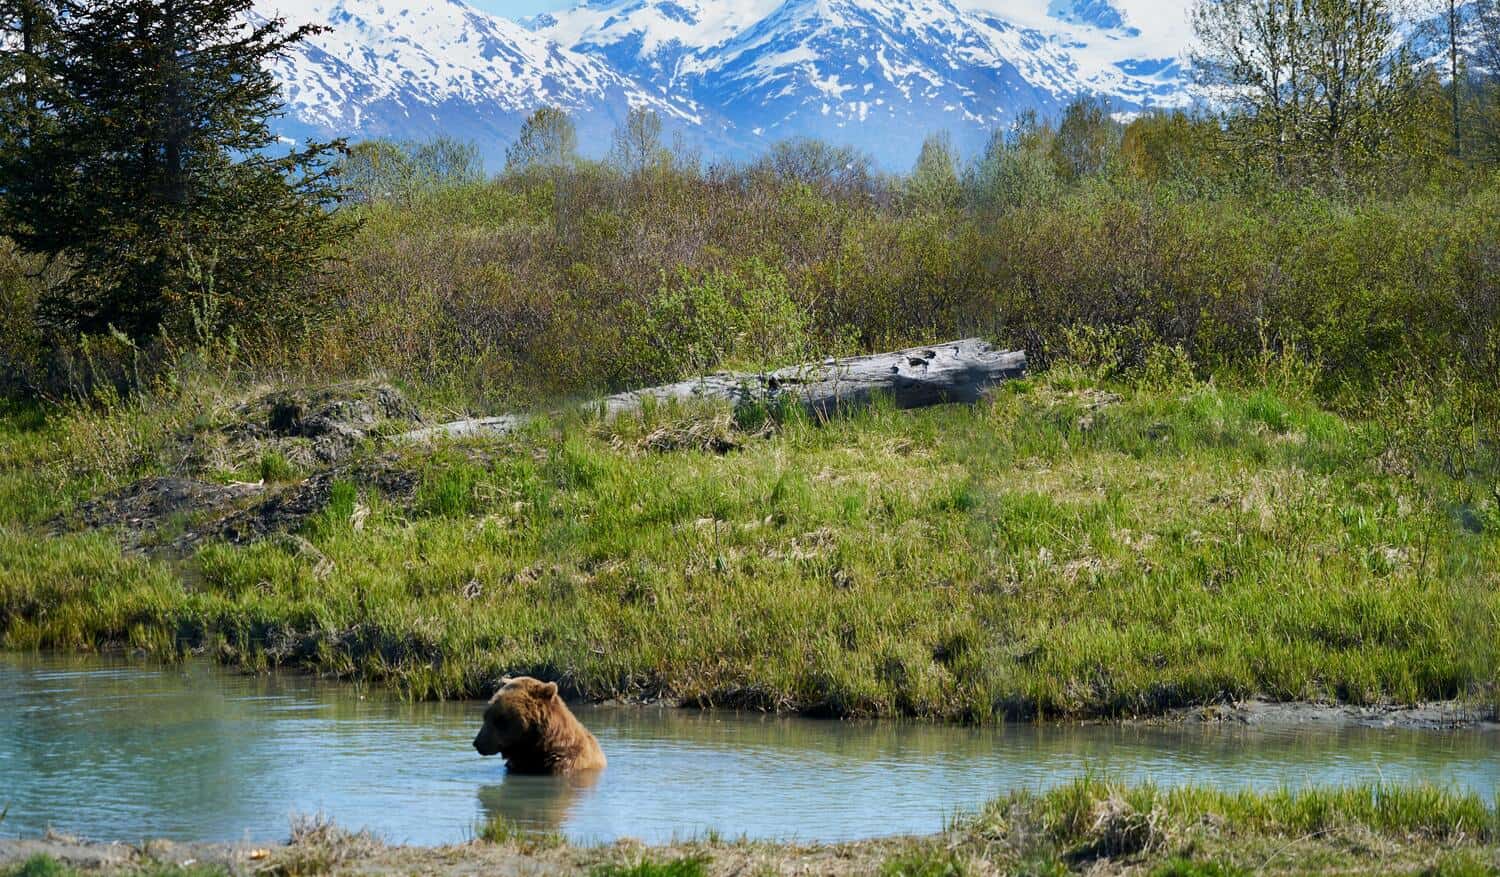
column 1089, row 826
column 1044, row 555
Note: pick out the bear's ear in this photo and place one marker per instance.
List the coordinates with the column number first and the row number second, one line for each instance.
column 547, row 691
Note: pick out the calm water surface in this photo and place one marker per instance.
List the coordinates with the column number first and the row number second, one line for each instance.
column 113, row 751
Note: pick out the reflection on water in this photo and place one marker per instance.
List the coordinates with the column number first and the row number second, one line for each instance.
column 120, row 752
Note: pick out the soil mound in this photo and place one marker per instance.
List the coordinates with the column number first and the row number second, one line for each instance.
column 316, row 431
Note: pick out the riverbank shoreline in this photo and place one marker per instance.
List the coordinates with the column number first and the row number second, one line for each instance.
column 1448, row 715
column 1088, row 826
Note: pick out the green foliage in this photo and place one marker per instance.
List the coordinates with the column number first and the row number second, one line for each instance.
column 1176, row 149
column 499, row 830
column 387, row 170
column 1323, row 86
column 1073, row 548
column 933, row 184
column 517, row 291
column 693, row 866
column 39, row 866
column 1184, row 867
column 275, row 468
column 826, row 169
column 638, row 145
column 548, row 139
column 22, row 348
column 150, row 175
column 747, row 317
column 1087, row 141
column 42, row 865
column 1016, row 170
column 925, row 863
column 450, row 491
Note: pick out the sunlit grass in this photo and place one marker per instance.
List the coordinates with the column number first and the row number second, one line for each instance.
column 1028, row 557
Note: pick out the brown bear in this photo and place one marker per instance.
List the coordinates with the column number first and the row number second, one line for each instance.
column 529, row 725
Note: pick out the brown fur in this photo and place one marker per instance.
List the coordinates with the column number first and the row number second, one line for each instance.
column 528, row 724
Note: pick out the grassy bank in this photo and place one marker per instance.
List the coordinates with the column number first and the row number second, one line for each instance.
column 1088, row 826
column 1072, row 548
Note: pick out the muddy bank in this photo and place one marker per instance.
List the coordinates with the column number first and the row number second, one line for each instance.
column 352, row 853
column 1434, row 716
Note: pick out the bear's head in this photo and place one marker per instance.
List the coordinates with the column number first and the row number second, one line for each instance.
column 517, row 715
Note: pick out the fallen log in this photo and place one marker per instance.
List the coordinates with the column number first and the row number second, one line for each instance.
column 953, row 372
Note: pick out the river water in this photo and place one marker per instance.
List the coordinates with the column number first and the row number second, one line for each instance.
column 117, row 751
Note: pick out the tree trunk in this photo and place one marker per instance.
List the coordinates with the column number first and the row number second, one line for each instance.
column 1453, row 35
column 957, row 371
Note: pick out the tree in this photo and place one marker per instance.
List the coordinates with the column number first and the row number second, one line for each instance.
column 392, row 170
column 1016, row 169
column 547, row 139
column 1455, row 33
column 1087, row 138
column 1321, row 85
column 143, row 160
column 831, row 171
column 638, row 144
column 1487, row 26
column 934, row 183
column 1487, row 59
column 1174, row 147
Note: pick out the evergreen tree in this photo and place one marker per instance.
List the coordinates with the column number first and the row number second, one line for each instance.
column 142, row 160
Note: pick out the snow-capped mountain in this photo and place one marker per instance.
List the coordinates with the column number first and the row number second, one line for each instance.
column 879, row 73
column 419, row 69
column 733, row 75
column 1101, row 14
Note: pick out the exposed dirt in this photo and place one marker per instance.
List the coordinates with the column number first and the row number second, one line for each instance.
column 160, row 511
column 357, row 854
column 1443, row 715
column 284, row 510
column 322, row 426
column 314, row 430
column 1121, row 842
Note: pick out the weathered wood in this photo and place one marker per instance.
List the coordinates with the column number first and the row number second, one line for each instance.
column 957, row 371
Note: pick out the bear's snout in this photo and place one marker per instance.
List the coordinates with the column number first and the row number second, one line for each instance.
column 484, row 747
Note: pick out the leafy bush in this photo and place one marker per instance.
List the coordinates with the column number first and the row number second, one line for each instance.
column 577, row 277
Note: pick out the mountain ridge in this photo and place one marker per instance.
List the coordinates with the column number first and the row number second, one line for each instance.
column 731, row 78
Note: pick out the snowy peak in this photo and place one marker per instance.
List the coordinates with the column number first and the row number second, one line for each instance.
column 1100, row 14
column 656, row 23
column 880, row 73
column 728, row 74
column 414, row 69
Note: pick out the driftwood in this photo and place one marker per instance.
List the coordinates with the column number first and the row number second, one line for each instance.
column 958, row 371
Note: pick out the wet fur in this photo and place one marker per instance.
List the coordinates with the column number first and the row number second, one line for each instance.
column 528, row 725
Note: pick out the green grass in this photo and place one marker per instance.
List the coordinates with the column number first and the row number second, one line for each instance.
column 925, row 863
column 1201, row 832
column 1024, row 558
column 689, row 867
column 46, row 866
column 499, row 830
column 1075, row 816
